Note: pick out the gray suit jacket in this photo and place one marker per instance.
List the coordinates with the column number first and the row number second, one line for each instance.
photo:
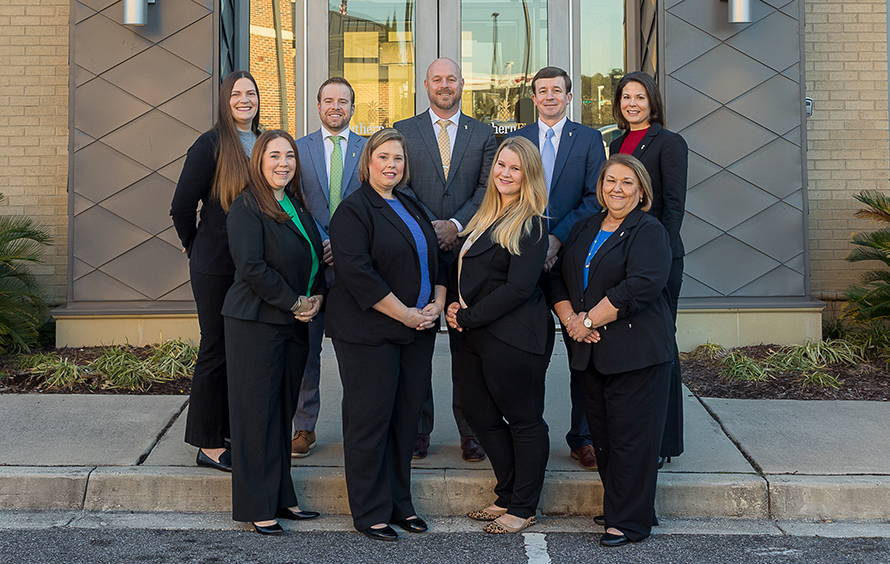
column 314, row 178
column 474, row 148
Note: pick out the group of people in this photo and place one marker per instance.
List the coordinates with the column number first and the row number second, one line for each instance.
column 372, row 241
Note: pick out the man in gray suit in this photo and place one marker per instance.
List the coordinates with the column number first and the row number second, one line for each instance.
column 328, row 173
column 450, row 155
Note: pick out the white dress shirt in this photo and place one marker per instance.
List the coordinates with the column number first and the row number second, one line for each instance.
column 557, row 133
column 452, row 135
column 329, row 150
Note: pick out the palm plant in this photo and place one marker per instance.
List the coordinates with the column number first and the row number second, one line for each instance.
column 870, row 298
column 22, row 308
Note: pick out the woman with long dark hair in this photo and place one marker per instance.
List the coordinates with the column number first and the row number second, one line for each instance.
column 214, row 173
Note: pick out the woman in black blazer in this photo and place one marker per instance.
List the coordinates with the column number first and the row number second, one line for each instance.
column 383, row 310
column 637, row 108
column 214, row 173
column 507, row 332
column 279, row 282
column 609, row 290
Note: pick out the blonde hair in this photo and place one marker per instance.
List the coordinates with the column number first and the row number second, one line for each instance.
column 514, row 221
column 639, row 171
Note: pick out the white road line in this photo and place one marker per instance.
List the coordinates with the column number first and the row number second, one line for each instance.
column 536, row 548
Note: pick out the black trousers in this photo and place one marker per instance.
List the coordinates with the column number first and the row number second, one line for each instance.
column 427, row 415
column 207, row 424
column 502, row 391
column 626, row 414
column 672, row 440
column 383, row 390
column 265, row 364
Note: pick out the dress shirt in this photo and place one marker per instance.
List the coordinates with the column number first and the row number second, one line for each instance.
column 452, row 136
column 557, row 133
column 329, row 150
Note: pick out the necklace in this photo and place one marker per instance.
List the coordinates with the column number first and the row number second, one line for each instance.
column 597, row 242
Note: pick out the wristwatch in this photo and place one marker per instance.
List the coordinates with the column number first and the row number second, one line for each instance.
column 587, row 322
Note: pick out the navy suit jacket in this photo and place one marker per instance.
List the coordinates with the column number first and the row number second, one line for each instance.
column 573, row 188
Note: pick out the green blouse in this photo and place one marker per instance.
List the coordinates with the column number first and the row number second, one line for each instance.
column 288, row 207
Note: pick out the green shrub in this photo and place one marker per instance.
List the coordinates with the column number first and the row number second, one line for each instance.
column 870, row 298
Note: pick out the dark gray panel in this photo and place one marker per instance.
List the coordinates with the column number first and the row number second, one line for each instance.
column 102, row 236
column 100, row 171
column 792, row 72
column 183, row 44
column 193, row 106
column 164, row 18
column 795, row 199
column 170, row 237
column 155, row 75
column 692, row 288
column 683, row 43
column 723, row 73
column 173, row 170
column 773, row 41
column 93, row 39
column 81, row 269
column 776, row 232
column 98, row 5
column 180, row 294
column 791, row 9
column 99, row 287
column 725, row 200
column 686, row 104
column 671, row 3
column 146, row 203
column 154, row 139
column 798, row 263
column 696, row 232
column 775, row 167
column 700, row 169
column 724, row 137
column 81, row 140
column 82, row 12
column 726, row 264
column 100, row 107
column 153, row 268
column 781, row 281
column 82, row 76
column 775, row 104
column 793, row 136
column 712, row 16
column 81, row 204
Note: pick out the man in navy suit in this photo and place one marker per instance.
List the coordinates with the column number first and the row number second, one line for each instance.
column 328, row 173
column 572, row 155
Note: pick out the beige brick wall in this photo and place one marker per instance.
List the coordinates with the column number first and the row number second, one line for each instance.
column 34, row 125
column 848, row 148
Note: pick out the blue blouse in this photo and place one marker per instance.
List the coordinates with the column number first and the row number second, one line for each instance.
column 594, row 247
column 426, row 288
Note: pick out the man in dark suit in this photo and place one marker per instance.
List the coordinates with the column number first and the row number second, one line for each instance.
column 572, row 155
column 450, row 156
column 328, row 173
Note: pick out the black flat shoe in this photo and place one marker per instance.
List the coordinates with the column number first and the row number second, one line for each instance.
column 224, row 464
column 412, row 525
column 600, row 520
column 384, row 534
column 268, row 529
column 662, row 460
column 608, row 539
column 285, row 513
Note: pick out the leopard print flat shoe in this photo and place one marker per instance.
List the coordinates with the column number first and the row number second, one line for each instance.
column 485, row 514
column 496, row 527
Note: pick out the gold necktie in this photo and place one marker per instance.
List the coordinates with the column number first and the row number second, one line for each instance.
column 444, row 145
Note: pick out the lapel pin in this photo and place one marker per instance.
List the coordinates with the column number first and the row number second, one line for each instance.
column 621, row 234
column 465, row 127
column 642, row 147
column 353, row 154
column 570, row 133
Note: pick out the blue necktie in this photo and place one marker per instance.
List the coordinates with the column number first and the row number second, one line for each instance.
column 548, row 158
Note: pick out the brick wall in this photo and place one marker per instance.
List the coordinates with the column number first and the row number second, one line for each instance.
column 848, row 148
column 264, row 62
column 34, row 125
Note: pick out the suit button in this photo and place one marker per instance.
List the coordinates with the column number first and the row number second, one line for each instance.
column 445, row 196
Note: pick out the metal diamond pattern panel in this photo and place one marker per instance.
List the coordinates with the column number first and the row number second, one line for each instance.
column 733, row 92
column 142, row 96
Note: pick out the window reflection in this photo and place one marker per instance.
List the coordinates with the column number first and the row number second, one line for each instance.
column 503, row 44
column 372, row 46
column 602, row 63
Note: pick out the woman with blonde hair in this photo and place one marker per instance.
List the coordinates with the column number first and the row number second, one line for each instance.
column 506, row 350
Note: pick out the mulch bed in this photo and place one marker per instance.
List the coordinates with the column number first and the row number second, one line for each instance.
column 701, row 376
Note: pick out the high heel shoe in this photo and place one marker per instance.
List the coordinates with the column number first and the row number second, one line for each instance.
column 274, row 529
column 287, row 513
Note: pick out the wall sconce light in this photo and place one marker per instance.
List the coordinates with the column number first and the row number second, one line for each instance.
column 136, row 12
column 739, row 11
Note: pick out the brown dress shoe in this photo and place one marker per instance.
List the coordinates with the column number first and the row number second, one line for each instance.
column 471, row 450
column 585, row 456
column 301, row 443
column 421, row 447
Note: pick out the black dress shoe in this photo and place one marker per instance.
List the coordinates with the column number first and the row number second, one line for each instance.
column 600, row 520
column 608, row 539
column 274, row 529
column 421, row 447
column 662, row 460
column 285, row 513
column 385, row 534
column 412, row 525
column 224, row 464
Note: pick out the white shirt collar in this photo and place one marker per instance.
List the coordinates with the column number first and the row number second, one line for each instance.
column 455, row 117
column 557, row 128
column 344, row 134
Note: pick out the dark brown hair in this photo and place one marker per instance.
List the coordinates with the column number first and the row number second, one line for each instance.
column 260, row 188
column 230, row 176
column 656, row 111
column 639, row 171
column 553, row 72
column 337, row 80
column 376, row 140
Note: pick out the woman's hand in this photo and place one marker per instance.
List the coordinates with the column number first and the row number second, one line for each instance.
column 578, row 331
column 418, row 319
column 451, row 316
column 309, row 314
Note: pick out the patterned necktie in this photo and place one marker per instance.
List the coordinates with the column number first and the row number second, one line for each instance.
column 336, row 178
column 444, row 145
column 548, row 158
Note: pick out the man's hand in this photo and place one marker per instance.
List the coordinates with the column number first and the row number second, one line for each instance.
column 446, row 233
column 328, row 254
column 555, row 246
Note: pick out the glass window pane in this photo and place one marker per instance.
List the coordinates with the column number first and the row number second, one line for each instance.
column 372, row 46
column 602, row 63
column 276, row 110
column 503, row 45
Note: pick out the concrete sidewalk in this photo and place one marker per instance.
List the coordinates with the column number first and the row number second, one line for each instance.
column 750, row 459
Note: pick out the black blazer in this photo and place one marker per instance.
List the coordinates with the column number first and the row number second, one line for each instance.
column 631, row 268
column 375, row 254
column 501, row 290
column 665, row 156
column 272, row 263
